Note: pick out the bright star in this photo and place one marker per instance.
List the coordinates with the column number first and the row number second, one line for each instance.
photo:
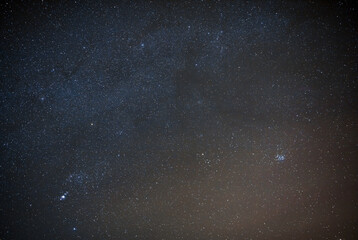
column 63, row 197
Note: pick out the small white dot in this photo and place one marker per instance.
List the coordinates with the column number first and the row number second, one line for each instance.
column 63, row 197
column 74, row 229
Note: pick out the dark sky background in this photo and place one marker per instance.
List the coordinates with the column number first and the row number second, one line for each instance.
column 178, row 120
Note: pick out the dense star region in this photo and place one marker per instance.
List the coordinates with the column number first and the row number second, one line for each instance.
column 178, row 120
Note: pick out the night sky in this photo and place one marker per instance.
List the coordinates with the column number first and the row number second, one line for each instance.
column 178, row 120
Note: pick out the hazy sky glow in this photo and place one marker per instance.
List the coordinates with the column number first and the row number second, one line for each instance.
column 178, row 120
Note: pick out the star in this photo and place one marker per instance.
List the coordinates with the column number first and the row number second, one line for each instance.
column 63, row 196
